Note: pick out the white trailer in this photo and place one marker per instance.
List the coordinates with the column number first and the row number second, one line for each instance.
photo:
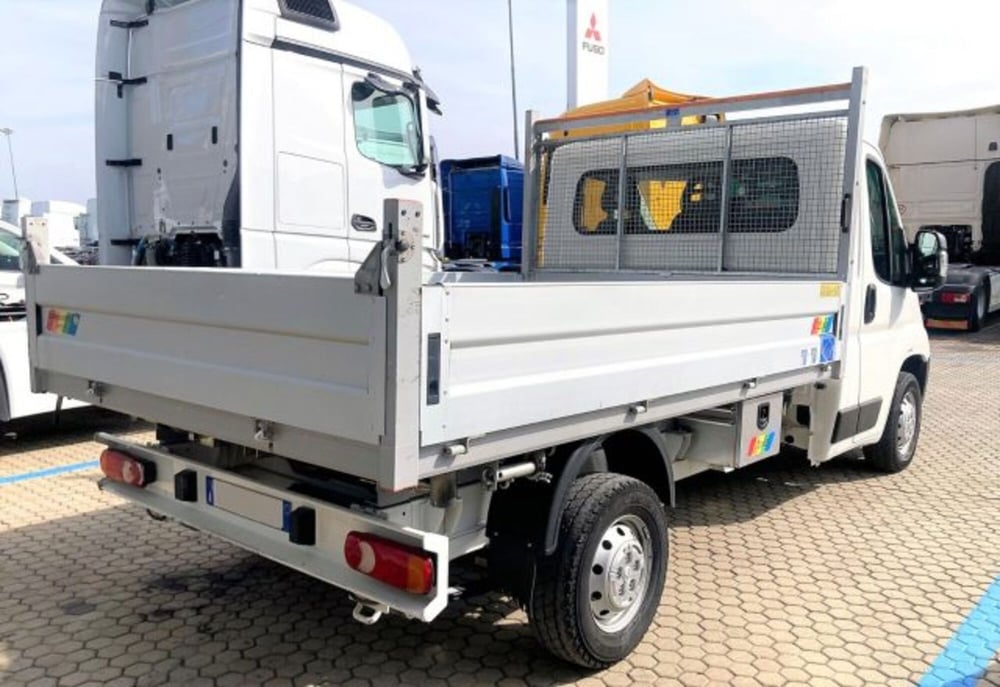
column 945, row 167
column 692, row 299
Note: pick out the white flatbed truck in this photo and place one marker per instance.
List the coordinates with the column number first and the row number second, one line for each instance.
column 370, row 425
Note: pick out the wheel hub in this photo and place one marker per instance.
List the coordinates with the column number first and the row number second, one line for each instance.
column 619, row 574
column 906, row 427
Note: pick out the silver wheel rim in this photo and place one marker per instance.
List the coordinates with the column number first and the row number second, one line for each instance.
column 619, row 574
column 981, row 307
column 906, row 425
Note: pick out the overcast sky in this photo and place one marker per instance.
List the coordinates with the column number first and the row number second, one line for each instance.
column 922, row 57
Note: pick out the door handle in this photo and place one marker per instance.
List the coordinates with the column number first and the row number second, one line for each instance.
column 362, row 223
column 871, row 303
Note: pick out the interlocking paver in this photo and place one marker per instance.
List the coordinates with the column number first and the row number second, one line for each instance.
column 780, row 574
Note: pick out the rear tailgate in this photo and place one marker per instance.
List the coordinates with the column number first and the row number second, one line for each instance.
column 290, row 363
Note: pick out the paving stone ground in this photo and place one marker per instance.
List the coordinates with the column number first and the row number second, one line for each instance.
column 780, row 574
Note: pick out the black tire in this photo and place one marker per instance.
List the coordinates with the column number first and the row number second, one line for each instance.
column 979, row 306
column 560, row 605
column 890, row 455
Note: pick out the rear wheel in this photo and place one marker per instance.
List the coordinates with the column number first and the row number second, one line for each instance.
column 894, row 451
column 978, row 308
column 594, row 599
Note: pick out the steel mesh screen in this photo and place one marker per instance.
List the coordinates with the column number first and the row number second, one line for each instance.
column 578, row 211
column 749, row 197
column 786, row 193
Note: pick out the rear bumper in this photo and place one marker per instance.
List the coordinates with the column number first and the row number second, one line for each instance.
column 946, row 315
column 323, row 559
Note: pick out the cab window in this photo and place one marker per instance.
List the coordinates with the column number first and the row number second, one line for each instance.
column 10, row 253
column 888, row 239
column 386, row 126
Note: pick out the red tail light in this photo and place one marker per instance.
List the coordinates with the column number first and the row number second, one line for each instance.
column 121, row 467
column 952, row 297
column 395, row 564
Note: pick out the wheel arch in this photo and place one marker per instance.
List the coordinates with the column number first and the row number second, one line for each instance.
column 920, row 367
column 640, row 453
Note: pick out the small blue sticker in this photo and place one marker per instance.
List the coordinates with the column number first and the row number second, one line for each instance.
column 210, row 490
column 673, row 112
column 828, row 348
column 286, row 516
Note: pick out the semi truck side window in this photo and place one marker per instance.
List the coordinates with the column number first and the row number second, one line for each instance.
column 386, row 127
column 879, row 221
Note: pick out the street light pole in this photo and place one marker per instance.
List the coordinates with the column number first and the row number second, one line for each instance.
column 513, row 77
column 10, row 149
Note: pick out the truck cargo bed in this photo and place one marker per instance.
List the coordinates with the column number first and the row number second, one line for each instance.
column 297, row 365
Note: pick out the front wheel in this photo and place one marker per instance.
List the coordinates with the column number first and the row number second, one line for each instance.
column 894, row 451
column 595, row 597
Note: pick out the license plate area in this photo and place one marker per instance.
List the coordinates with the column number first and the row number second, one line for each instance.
column 247, row 503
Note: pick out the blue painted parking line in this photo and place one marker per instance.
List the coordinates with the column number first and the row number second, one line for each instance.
column 967, row 656
column 49, row 472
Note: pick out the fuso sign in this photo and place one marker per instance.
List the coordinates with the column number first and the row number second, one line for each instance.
column 587, row 52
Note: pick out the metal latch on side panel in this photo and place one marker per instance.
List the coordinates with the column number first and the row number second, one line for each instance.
column 433, row 369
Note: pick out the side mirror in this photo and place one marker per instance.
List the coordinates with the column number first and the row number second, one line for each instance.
column 929, row 261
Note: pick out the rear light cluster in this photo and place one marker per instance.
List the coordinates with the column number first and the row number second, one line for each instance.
column 954, row 297
column 123, row 468
column 397, row 565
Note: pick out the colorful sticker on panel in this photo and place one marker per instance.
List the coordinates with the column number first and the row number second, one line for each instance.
column 827, row 348
column 62, row 322
column 824, row 324
column 761, row 444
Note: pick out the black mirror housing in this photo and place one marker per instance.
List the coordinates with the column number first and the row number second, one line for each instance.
column 928, row 261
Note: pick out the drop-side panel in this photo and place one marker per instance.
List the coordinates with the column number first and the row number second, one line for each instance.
column 302, row 352
column 518, row 354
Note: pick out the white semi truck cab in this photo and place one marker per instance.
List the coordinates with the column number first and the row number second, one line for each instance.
column 263, row 134
column 945, row 166
column 690, row 299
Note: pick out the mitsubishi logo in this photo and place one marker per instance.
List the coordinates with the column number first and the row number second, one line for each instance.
column 592, row 32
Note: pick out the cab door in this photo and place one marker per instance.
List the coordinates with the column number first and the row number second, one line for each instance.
column 388, row 155
column 889, row 310
column 310, row 222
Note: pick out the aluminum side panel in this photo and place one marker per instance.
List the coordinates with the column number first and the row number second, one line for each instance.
column 300, row 351
column 520, row 354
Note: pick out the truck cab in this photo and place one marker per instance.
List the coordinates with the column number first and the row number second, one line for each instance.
column 263, row 134
column 946, row 168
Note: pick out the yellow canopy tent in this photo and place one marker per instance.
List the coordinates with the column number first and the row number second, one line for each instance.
column 661, row 198
column 644, row 95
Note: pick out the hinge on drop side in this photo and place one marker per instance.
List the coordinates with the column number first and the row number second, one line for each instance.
column 263, row 432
